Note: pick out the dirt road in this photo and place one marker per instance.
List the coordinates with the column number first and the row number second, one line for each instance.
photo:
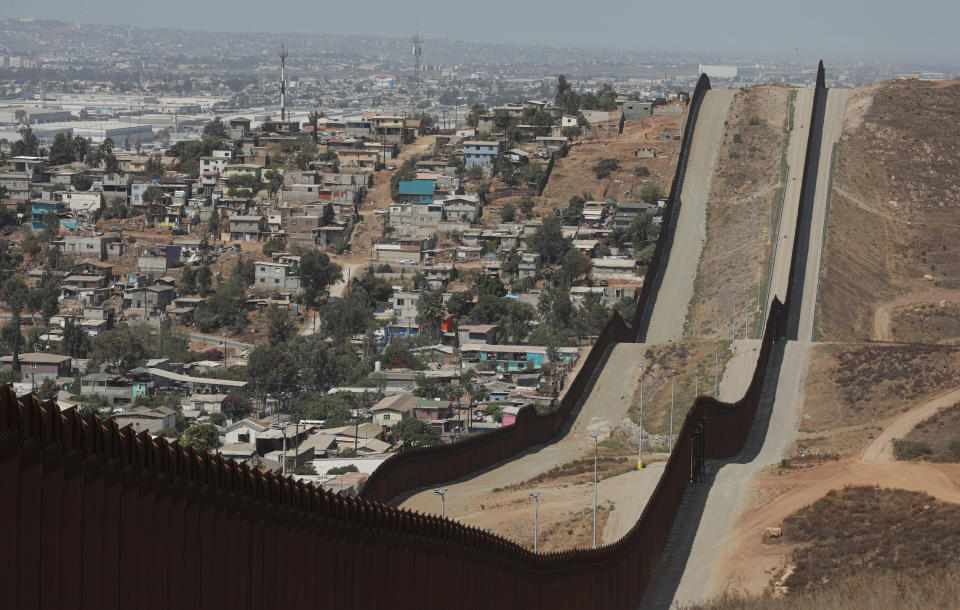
column 606, row 404
column 881, row 448
column 673, row 299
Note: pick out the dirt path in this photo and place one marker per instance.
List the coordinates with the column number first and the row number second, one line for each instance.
column 881, row 448
column 883, row 315
column 751, row 562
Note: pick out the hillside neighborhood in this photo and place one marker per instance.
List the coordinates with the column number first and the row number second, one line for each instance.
column 312, row 296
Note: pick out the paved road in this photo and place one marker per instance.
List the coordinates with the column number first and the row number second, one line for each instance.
column 729, row 495
column 673, row 300
column 607, row 402
column 796, row 153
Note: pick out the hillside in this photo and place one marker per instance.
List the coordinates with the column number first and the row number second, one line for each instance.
column 894, row 215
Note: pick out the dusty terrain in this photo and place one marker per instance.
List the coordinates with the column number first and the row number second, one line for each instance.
column 742, row 215
column 892, row 225
column 933, row 432
column 853, row 389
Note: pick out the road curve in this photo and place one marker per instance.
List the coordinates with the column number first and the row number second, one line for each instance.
column 673, row 299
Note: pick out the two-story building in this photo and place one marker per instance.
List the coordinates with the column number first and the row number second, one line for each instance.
column 418, row 190
column 480, row 152
column 510, row 358
column 281, row 277
column 154, row 298
column 246, row 228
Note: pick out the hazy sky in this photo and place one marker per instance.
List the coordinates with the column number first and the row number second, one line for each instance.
column 879, row 30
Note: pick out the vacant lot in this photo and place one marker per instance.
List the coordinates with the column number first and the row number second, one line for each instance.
column 850, row 388
column 927, row 323
column 893, row 220
column 743, row 196
column 936, row 439
column 686, row 358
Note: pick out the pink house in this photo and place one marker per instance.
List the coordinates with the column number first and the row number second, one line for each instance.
column 509, row 416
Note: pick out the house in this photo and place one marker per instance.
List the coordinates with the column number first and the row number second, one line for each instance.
column 432, row 409
column 510, row 358
column 391, row 409
column 154, row 298
column 83, row 203
column 148, row 420
column 40, row 208
column 627, row 211
column 112, row 387
column 387, row 127
column 547, row 145
column 636, row 110
column 462, row 207
column 246, row 228
column 480, row 152
column 86, row 246
column 418, row 190
column 509, row 415
column 358, row 157
column 276, row 277
column 39, row 365
column 405, row 313
column 205, row 403
column 244, row 431
column 613, row 268
column 477, row 333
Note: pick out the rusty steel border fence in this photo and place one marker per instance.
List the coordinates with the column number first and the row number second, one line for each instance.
column 98, row 516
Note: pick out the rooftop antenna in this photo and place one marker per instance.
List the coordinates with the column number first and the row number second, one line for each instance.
column 283, row 83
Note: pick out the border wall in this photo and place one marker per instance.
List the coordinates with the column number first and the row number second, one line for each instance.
column 99, row 517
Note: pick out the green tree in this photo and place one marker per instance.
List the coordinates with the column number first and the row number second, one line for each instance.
column 204, row 280
column 82, row 181
column 548, row 240
column 76, row 341
column 316, row 364
column 526, row 208
column 154, row 168
column 574, row 264
column 27, row 146
column 216, row 129
column 473, row 116
column 45, row 296
column 153, row 194
column 120, row 349
column 430, row 311
column 275, row 179
column 460, row 303
column 508, row 213
column 51, row 227
column 202, row 437
column 605, row 167
column 188, row 280
column 412, row 432
column 317, row 274
column 494, row 411
column 217, row 418
column 271, row 369
column 651, row 193
column 280, row 327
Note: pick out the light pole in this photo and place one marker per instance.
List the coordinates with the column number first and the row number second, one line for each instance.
column 442, row 492
column 673, row 395
column 283, row 467
column 640, row 441
column 596, row 452
column 716, row 367
column 696, row 383
column 733, row 331
column 536, row 518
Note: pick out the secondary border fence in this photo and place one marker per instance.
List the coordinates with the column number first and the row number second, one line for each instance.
column 99, row 517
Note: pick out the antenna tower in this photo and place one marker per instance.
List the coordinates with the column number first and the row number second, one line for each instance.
column 417, row 51
column 283, row 83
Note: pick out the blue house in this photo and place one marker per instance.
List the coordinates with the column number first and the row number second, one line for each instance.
column 39, row 209
column 479, row 152
column 418, row 190
column 513, row 358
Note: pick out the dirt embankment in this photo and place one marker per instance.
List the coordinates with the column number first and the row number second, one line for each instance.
column 894, row 216
column 744, row 194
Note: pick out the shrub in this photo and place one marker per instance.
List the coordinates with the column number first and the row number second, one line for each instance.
column 604, row 167
column 910, row 450
column 342, row 470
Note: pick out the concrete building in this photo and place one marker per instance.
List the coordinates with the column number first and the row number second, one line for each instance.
column 480, row 152
column 152, row 421
column 39, row 366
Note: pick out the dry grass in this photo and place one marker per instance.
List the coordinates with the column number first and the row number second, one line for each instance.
column 927, row 323
column 736, row 253
column 940, row 435
column 865, row 547
column 684, row 357
column 935, row 590
column 893, row 212
column 850, row 388
column 612, row 459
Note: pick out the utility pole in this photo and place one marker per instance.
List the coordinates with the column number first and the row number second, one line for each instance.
column 716, row 367
column 283, row 83
column 733, row 331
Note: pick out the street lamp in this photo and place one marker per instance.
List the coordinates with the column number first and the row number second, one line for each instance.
column 673, row 395
column 596, row 452
column 716, row 367
column 536, row 518
column 696, row 383
column 442, row 493
column 640, row 442
column 733, row 331
column 283, row 467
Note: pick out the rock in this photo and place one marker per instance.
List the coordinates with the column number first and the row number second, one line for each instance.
column 772, row 532
column 927, row 277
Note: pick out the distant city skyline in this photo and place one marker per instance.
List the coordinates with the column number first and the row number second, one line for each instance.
column 877, row 31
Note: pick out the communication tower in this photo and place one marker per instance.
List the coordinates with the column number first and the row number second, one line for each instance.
column 283, row 83
column 417, row 51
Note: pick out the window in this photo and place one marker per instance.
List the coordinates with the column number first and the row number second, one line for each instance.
column 276, row 281
column 33, row 365
column 386, row 416
column 243, row 437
